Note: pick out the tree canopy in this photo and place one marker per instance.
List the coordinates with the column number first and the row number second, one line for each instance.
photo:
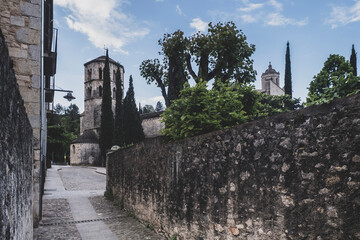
column 221, row 54
column 336, row 79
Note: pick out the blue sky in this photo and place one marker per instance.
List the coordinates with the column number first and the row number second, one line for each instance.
column 131, row 30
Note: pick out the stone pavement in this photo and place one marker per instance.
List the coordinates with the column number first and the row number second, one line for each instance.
column 74, row 208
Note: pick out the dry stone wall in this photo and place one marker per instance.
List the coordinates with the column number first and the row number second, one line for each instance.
column 15, row 156
column 290, row 176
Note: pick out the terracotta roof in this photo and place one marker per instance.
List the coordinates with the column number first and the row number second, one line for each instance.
column 102, row 59
column 88, row 136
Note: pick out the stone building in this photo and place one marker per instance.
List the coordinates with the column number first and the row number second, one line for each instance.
column 270, row 82
column 85, row 149
column 26, row 24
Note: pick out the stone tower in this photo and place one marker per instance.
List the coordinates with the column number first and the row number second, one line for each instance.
column 270, row 82
column 85, row 149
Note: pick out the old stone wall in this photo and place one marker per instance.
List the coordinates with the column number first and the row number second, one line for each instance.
column 151, row 124
column 20, row 21
column 290, row 176
column 15, row 156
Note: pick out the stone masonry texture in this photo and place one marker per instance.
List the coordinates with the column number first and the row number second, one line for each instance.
column 291, row 176
column 20, row 22
column 15, row 156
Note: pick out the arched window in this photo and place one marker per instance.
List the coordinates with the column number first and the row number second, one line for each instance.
column 114, row 75
column 114, row 93
column 88, row 93
column 100, row 91
column 73, row 148
column 89, row 74
column 100, row 73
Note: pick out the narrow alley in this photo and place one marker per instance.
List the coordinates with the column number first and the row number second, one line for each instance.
column 74, row 207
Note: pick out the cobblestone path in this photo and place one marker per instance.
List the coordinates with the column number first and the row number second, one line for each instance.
column 74, row 208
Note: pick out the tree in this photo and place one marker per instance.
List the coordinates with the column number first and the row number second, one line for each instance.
column 353, row 60
column 336, row 79
column 222, row 53
column 200, row 110
column 288, row 83
column 148, row 109
column 107, row 119
column 159, row 107
column 133, row 130
column 171, row 73
column 119, row 111
column 140, row 109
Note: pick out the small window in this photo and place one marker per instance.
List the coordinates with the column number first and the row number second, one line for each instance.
column 114, row 93
column 114, row 75
column 100, row 91
column 73, row 148
column 89, row 92
column 89, row 74
column 100, row 73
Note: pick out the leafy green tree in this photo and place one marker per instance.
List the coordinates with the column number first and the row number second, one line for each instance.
column 63, row 128
column 148, row 109
column 222, row 53
column 133, row 130
column 353, row 60
column 200, row 110
column 107, row 119
column 336, row 79
column 119, row 112
column 270, row 104
column 171, row 73
column 288, row 82
column 159, row 107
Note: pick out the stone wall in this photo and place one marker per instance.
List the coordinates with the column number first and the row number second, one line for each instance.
column 151, row 124
column 15, row 156
column 290, row 176
column 20, row 21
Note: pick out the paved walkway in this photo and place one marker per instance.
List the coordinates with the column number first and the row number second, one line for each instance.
column 74, row 208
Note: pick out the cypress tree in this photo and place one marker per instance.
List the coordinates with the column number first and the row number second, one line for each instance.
column 132, row 124
column 107, row 119
column 140, row 109
column 353, row 60
column 119, row 111
column 288, row 82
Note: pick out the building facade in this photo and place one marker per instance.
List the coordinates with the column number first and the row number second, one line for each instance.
column 29, row 35
column 85, row 149
column 270, row 82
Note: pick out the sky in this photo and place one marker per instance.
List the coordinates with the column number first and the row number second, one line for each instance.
column 130, row 29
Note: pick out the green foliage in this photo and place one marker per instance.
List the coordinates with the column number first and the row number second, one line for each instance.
column 336, row 79
column 148, row 109
column 107, row 119
column 133, row 130
column 269, row 104
column 63, row 128
column 353, row 60
column 288, row 82
column 221, row 54
column 119, row 138
column 159, row 107
column 200, row 110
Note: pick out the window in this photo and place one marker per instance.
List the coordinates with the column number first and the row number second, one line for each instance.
column 114, row 93
column 100, row 91
column 100, row 74
column 73, row 148
column 114, row 75
column 88, row 94
column 89, row 74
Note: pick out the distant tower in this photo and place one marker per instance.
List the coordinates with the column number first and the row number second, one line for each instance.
column 270, row 82
column 85, row 149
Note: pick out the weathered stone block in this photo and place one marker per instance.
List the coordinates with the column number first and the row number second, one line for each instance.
column 34, row 52
column 21, row 34
column 17, row 21
column 36, row 81
column 30, row 9
column 35, row 23
column 18, row 53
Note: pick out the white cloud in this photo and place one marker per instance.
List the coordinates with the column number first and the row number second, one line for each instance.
column 276, row 19
column 250, row 6
column 249, row 18
column 159, row 0
column 278, row 6
column 199, row 25
column 343, row 15
column 178, row 10
column 104, row 23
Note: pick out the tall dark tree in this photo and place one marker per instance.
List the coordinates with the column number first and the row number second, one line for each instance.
column 353, row 60
column 119, row 111
column 140, row 109
column 133, row 130
column 107, row 118
column 159, row 107
column 288, row 81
